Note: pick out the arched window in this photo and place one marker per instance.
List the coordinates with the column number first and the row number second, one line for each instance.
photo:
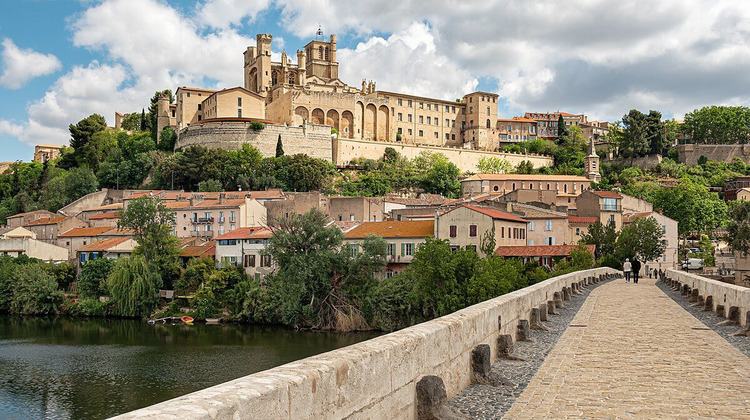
column 514, row 186
column 274, row 78
column 320, row 52
column 565, row 188
column 488, row 123
column 547, row 187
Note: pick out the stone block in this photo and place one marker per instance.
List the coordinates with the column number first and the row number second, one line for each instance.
column 694, row 295
column 535, row 321
column 551, row 307
column 432, row 400
column 709, row 306
column 524, row 330
column 543, row 314
column 558, row 300
column 566, row 293
column 720, row 311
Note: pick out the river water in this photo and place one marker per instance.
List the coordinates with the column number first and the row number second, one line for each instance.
column 64, row 368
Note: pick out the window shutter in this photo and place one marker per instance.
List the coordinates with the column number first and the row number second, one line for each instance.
column 403, row 248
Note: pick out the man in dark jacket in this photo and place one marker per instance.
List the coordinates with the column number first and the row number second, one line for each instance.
column 636, row 269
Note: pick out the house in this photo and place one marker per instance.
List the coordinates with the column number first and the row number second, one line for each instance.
column 21, row 219
column 246, row 247
column 32, row 248
column 206, row 219
column 403, row 238
column 604, row 205
column 86, row 214
column 356, row 208
column 743, row 194
column 296, row 203
column 732, row 187
column 76, row 238
column 46, row 152
column 108, row 219
column 505, row 183
column 545, row 255
column 464, row 226
column 106, row 248
column 579, row 226
column 47, row 229
column 670, row 227
column 19, row 232
column 190, row 251
column 632, row 204
column 545, row 227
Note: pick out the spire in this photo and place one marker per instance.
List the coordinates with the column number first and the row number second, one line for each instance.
column 592, row 148
column 319, row 33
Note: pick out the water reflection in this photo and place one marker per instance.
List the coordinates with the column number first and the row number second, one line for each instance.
column 94, row 368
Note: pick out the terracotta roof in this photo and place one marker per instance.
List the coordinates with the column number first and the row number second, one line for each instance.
column 344, row 225
column 118, row 232
column 538, row 250
column 536, row 213
column 176, row 204
column 582, row 220
column 103, row 245
column 247, row 233
column 394, row 229
column 630, row 217
column 142, row 193
column 231, row 202
column 517, row 119
column 426, row 200
column 209, row 248
column 80, row 232
column 29, row 213
column 47, row 221
column 607, row 194
column 115, row 206
column 109, row 215
column 526, row 177
column 493, row 213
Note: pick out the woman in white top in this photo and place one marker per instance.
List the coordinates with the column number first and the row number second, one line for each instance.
column 627, row 269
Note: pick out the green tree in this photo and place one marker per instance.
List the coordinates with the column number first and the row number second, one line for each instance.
column 133, row 288
column 525, row 167
column 196, row 273
column 493, row 165
column 279, row 147
column 168, row 140
column 691, row 204
column 603, row 236
column 738, row 229
column 35, row 292
column 643, row 238
column 442, row 179
column 210, row 185
column 562, row 130
column 92, row 282
column 718, row 125
column 81, row 134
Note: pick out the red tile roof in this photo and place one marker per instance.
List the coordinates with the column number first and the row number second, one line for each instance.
column 46, row 221
column 103, row 216
column 496, row 214
column 247, row 233
column 538, row 250
column 207, row 249
column 630, row 217
column 115, row 206
column 582, row 220
column 84, row 232
column 607, row 194
column 30, row 213
column 103, row 245
column 394, row 229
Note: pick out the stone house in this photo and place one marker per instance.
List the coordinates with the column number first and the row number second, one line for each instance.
column 356, row 209
column 23, row 219
column 47, row 229
column 296, row 203
column 464, row 226
column 544, row 255
column 76, row 238
column 246, row 247
column 604, row 205
column 32, row 248
column 545, row 227
column 403, row 237
column 108, row 220
column 210, row 218
column 112, row 248
column 505, row 183
column 670, row 227
column 579, row 226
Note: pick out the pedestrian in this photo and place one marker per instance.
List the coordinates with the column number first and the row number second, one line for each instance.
column 626, row 267
column 636, row 266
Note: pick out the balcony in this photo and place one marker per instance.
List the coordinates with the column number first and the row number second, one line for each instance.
column 202, row 220
column 202, row 234
column 615, row 208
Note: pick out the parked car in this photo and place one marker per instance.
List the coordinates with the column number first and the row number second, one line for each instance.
column 692, row 264
column 695, row 250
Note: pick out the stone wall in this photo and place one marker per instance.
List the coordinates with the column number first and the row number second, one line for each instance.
column 345, row 150
column 374, row 379
column 311, row 139
column 690, row 153
column 728, row 295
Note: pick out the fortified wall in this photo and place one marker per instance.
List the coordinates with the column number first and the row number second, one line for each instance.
column 344, row 150
column 378, row 378
column 311, row 139
column 690, row 153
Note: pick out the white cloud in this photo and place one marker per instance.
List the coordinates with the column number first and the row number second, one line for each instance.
column 9, row 128
column 22, row 65
column 225, row 13
column 394, row 62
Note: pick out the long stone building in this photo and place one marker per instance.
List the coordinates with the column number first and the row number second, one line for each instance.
column 299, row 98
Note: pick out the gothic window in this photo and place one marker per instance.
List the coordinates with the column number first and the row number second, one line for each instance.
column 488, row 123
column 274, row 78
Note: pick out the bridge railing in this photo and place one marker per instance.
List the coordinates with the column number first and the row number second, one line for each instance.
column 377, row 378
column 727, row 300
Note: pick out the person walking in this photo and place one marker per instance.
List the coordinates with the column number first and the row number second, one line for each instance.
column 636, row 266
column 626, row 268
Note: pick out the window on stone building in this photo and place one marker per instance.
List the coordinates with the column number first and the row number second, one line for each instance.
column 447, row 136
column 488, row 123
column 472, row 231
column 429, row 107
column 200, row 107
column 249, row 261
column 400, row 102
column 447, row 122
column 410, row 132
column 399, row 130
column 239, row 113
column 408, row 117
column 239, row 101
column 409, row 103
column 421, row 105
column 429, row 120
column 453, row 231
column 437, row 135
column 471, row 110
column 421, row 133
column 400, row 116
column 453, row 136
column 488, row 110
column 421, row 119
column 200, row 117
column 392, row 111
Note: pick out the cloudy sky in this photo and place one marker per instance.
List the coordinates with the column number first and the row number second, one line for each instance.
column 63, row 60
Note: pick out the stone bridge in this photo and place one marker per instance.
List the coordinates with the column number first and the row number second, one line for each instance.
column 581, row 345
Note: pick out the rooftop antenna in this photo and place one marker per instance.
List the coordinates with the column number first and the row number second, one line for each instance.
column 319, row 33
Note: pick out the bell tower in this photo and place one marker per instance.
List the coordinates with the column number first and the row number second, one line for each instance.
column 591, row 163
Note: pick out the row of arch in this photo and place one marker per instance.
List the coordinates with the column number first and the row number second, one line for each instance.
column 366, row 121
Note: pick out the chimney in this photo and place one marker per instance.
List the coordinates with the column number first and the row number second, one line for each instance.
column 195, row 199
column 222, row 198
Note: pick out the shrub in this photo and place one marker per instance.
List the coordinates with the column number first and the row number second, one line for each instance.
column 92, row 282
column 133, row 288
column 90, row 307
column 257, row 125
column 205, row 303
column 35, row 292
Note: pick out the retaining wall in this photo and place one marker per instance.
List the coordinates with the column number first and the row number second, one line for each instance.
column 722, row 293
column 374, row 379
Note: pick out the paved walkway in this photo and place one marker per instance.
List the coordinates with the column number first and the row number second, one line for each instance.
column 632, row 352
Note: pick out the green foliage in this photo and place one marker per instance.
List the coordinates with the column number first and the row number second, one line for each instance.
column 34, row 292
column 581, row 258
column 603, row 236
column 562, row 130
column 493, row 165
column 643, row 238
column 642, row 134
column 707, row 251
column 92, row 282
column 168, row 140
column 257, row 125
column 525, row 167
column 279, row 147
column 393, row 304
column 205, row 303
column 738, row 228
column 210, row 185
column 63, row 273
column 90, row 307
column 196, row 272
column 718, row 125
column 134, row 290
column 82, row 140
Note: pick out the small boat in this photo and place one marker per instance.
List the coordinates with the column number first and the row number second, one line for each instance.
column 188, row 320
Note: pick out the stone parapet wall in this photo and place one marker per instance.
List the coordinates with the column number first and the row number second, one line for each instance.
column 345, row 150
column 377, row 378
column 728, row 295
column 311, row 139
column 690, row 153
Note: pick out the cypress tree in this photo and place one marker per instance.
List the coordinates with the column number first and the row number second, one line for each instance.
column 279, row 148
column 561, row 130
column 143, row 119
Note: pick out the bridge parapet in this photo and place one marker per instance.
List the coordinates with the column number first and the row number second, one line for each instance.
column 728, row 300
column 379, row 378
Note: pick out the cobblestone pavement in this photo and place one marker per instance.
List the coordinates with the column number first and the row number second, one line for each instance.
column 710, row 319
column 489, row 402
column 637, row 354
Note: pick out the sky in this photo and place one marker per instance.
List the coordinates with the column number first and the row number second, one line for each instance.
column 62, row 60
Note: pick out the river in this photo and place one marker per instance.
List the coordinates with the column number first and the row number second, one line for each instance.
column 66, row 368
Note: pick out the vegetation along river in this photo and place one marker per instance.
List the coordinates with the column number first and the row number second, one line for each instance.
column 65, row 368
